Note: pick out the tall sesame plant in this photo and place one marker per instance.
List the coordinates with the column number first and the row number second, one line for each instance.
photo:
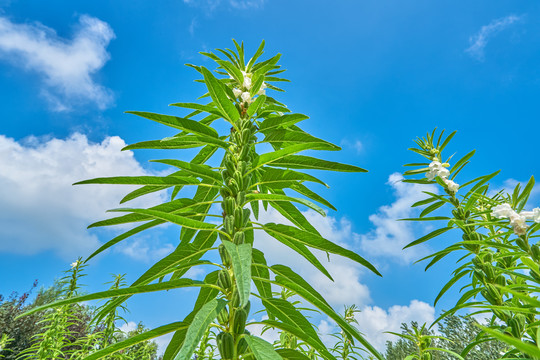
column 242, row 181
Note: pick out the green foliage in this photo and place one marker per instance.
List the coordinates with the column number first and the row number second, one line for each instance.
column 456, row 334
column 239, row 179
column 498, row 253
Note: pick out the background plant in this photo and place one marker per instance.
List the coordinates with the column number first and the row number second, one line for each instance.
column 498, row 256
column 239, row 181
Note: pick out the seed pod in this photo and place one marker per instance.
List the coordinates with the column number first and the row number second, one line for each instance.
column 477, row 261
column 500, row 280
column 522, row 244
column 224, row 280
column 225, row 256
column 488, row 257
column 245, row 136
column 458, row 213
column 479, row 275
column 225, row 175
column 223, row 317
column 235, row 298
column 239, row 238
column 239, row 321
column 488, row 270
column 535, row 249
column 494, row 296
column 238, row 220
column 242, row 344
column 229, row 224
column 225, row 344
column 515, row 328
column 245, row 217
column 239, row 179
column 241, row 198
column 224, row 192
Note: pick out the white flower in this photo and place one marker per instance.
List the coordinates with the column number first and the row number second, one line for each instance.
column 261, row 90
column 452, row 186
column 247, row 82
column 73, row 264
column 518, row 222
column 437, row 169
column 502, row 211
column 237, row 92
column 246, row 96
column 536, row 215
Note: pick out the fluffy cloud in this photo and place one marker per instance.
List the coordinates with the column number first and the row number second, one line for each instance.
column 39, row 208
column 479, row 41
column 346, row 287
column 65, row 66
column 389, row 235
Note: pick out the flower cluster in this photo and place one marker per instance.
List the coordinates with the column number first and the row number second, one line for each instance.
column 243, row 93
column 440, row 170
column 517, row 220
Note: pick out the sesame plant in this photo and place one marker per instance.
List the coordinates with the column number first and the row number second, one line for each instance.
column 254, row 163
column 499, row 258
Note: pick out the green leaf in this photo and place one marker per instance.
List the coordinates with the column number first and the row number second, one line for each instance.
column 241, row 263
column 258, row 53
column 198, row 326
column 142, row 180
column 428, row 236
column 179, row 142
column 462, row 160
column 284, row 198
column 432, row 208
column 290, row 354
column 289, row 279
column 291, row 213
column 166, row 285
column 147, row 335
column 202, row 171
column 302, row 189
column 281, row 121
column 529, row 349
column 207, row 108
column 261, row 349
column 215, row 88
column 282, row 138
column 124, row 236
column 307, row 162
column 280, row 178
column 254, row 107
column 272, row 157
column 264, row 288
column 175, row 219
column 188, row 125
column 307, row 238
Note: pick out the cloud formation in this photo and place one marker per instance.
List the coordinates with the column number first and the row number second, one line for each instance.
column 39, row 208
column 479, row 41
column 66, row 66
column 389, row 235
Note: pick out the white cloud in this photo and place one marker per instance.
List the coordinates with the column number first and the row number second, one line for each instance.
column 65, row 66
column 479, row 41
column 356, row 145
column 373, row 321
column 127, row 327
column 389, row 235
column 346, row 287
column 39, row 208
column 508, row 186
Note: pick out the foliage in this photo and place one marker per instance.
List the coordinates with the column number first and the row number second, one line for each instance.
column 457, row 332
column 67, row 332
column 344, row 347
column 498, row 256
column 239, row 180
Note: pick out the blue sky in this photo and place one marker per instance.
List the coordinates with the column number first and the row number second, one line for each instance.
column 371, row 75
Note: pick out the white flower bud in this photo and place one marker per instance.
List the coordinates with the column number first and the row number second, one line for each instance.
column 247, row 82
column 237, row 92
column 246, row 96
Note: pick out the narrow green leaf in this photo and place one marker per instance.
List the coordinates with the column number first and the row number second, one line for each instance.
column 188, row 125
column 307, row 162
column 432, row 208
column 281, row 121
column 431, row 235
column 258, row 53
column 254, row 107
column 147, row 335
column 175, row 219
column 290, row 354
column 462, row 160
column 215, row 88
column 284, row 198
column 302, row 189
column 142, row 180
column 315, row 241
column 261, row 349
column 202, row 171
column 264, row 288
column 273, row 157
column 198, row 326
column 241, row 263
column 207, row 108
